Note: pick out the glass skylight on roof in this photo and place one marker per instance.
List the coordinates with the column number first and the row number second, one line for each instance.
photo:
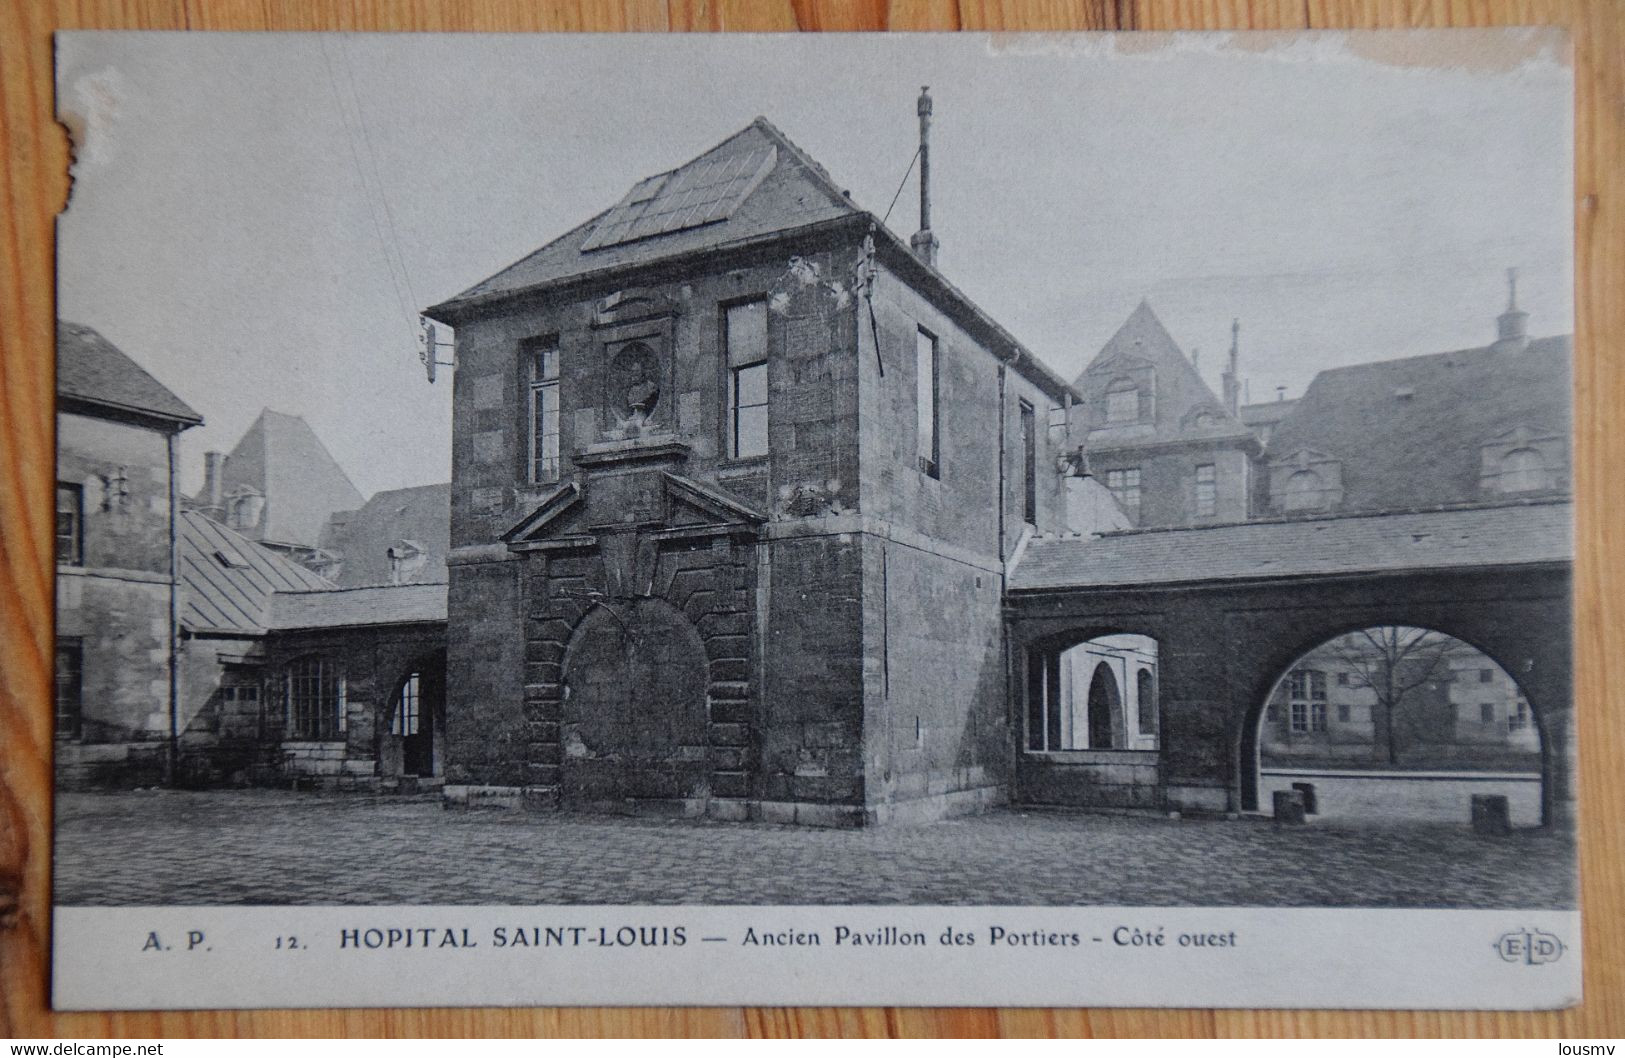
column 699, row 193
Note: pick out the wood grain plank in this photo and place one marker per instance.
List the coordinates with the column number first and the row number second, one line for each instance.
column 33, row 186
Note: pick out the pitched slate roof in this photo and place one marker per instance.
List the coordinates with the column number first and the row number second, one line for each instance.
column 227, row 580
column 379, row 604
column 1180, row 392
column 281, row 457
column 794, row 192
column 362, row 538
column 1395, row 542
column 1408, row 432
column 93, row 370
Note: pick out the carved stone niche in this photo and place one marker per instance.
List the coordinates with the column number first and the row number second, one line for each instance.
column 637, row 369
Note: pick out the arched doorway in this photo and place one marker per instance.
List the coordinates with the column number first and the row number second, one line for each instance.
column 1397, row 723
column 1105, row 707
column 410, row 744
column 634, row 711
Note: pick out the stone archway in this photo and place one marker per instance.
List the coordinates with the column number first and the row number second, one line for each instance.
column 1105, row 706
column 634, row 714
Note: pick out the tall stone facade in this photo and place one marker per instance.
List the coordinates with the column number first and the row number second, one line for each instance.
column 681, row 585
column 117, row 628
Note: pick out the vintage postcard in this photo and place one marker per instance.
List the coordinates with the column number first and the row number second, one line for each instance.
column 919, row 519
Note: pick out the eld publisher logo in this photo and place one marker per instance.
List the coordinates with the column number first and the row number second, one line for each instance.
column 1531, row 947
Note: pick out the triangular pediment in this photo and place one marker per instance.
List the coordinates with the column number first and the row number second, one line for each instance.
column 546, row 513
column 1522, row 434
column 705, row 504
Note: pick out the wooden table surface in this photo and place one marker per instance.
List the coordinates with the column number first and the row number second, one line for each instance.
column 33, row 186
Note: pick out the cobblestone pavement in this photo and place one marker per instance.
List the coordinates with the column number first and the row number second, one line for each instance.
column 272, row 847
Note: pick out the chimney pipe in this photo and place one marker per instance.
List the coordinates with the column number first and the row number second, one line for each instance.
column 1512, row 326
column 924, row 243
column 1280, row 393
column 214, row 464
column 1232, row 371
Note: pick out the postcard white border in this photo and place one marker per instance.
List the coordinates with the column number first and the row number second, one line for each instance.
column 211, row 957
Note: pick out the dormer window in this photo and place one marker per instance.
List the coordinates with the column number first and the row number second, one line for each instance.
column 1522, row 470
column 1521, row 460
column 1304, row 491
column 1306, row 480
column 1122, row 402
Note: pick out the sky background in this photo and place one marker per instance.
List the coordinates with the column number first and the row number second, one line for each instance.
column 258, row 218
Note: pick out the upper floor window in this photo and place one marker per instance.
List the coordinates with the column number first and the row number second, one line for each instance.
column 69, row 689
column 1306, row 698
column 745, row 334
column 1029, row 464
column 316, row 698
column 542, row 374
column 1125, row 485
column 1522, row 470
column 1122, row 401
column 1486, row 712
column 1207, row 491
column 1518, row 718
column 70, row 524
column 928, row 389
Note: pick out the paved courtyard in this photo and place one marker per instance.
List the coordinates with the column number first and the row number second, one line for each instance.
column 275, row 847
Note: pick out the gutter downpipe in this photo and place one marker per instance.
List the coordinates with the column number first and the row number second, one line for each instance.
column 172, row 755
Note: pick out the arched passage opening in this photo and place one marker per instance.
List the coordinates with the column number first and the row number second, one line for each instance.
column 1394, row 723
column 409, row 744
column 1094, row 692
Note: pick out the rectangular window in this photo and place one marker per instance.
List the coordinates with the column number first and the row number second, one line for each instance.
column 1486, row 675
column 1306, row 688
column 316, row 699
column 70, row 524
column 542, row 371
column 1029, row 464
column 745, row 336
column 1342, row 679
column 1125, row 485
column 1207, row 491
column 1518, row 719
column 1486, row 713
column 927, row 391
column 1343, row 712
column 69, row 689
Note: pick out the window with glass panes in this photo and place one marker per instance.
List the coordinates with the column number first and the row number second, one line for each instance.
column 745, row 335
column 1207, row 491
column 1306, row 698
column 1125, row 485
column 406, row 708
column 70, row 524
column 1029, row 463
column 542, row 374
column 1122, row 401
column 316, row 698
column 69, row 689
column 926, row 393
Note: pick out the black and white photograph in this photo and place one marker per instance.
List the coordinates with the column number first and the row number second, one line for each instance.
column 1077, row 519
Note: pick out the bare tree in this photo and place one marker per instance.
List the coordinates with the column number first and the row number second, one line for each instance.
column 1393, row 661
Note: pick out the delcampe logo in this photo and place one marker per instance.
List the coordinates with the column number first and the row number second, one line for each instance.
column 1532, row 947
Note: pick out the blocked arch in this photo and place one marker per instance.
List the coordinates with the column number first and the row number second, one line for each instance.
column 1274, row 666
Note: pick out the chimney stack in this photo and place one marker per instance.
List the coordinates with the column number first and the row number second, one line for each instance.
column 924, row 243
column 1512, row 326
column 214, row 465
column 1232, row 371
